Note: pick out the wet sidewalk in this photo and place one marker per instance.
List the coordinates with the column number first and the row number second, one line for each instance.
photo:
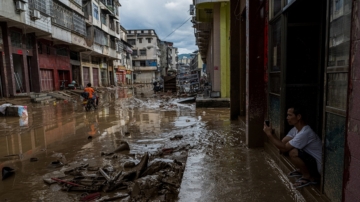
column 226, row 170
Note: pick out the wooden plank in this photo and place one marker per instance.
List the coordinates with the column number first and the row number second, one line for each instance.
column 60, row 92
column 58, row 96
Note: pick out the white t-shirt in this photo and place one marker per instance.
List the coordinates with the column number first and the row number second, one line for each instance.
column 307, row 140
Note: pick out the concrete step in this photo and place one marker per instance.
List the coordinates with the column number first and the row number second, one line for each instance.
column 37, row 95
column 59, row 96
column 39, row 99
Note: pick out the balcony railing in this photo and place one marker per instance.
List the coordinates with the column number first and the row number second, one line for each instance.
column 44, row 6
column 79, row 24
column 62, row 16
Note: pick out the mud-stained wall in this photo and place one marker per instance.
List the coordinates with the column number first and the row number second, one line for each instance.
column 352, row 149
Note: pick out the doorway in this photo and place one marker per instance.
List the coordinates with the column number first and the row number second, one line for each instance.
column 64, row 79
column 305, row 44
column 76, row 74
column 19, row 73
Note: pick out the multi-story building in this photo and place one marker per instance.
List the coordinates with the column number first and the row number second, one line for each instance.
column 168, row 57
column 44, row 45
column 124, row 71
column 146, row 54
column 212, row 32
column 185, row 60
column 103, row 33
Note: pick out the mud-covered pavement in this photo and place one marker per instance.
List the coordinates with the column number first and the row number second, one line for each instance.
column 194, row 154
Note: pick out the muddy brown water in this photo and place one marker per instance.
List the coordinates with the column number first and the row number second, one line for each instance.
column 219, row 167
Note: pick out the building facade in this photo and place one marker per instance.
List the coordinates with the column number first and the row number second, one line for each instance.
column 123, row 67
column 45, row 45
column 103, row 33
column 168, row 58
column 211, row 21
column 146, row 54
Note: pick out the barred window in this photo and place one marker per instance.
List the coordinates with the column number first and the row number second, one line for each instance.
column 135, row 52
column 131, row 41
column 100, row 37
column 62, row 16
column 143, row 52
column 44, row 6
column 79, row 24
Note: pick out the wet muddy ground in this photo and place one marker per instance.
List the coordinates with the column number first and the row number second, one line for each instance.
column 204, row 151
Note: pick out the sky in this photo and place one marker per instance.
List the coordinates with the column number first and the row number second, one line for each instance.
column 164, row 16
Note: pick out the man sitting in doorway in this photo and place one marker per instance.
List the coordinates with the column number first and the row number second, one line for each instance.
column 303, row 145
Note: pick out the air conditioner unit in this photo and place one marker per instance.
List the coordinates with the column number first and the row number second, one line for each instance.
column 36, row 15
column 20, row 6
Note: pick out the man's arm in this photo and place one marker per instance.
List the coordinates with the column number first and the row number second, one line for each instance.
column 282, row 146
column 286, row 139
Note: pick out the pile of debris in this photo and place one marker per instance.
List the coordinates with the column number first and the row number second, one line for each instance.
column 45, row 98
column 9, row 109
column 156, row 180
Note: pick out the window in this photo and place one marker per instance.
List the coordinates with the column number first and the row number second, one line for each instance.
column 103, row 18
column 149, row 40
column 135, row 52
column 276, row 46
column 140, row 40
column 142, row 31
column 276, row 7
column 131, row 41
column 96, row 11
column 62, row 16
column 62, row 51
column 16, row 39
column 143, row 52
column 79, row 24
column 142, row 63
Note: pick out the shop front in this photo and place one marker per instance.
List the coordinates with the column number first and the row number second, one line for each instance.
column 121, row 75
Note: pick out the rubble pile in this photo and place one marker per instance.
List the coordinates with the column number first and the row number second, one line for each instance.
column 129, row 181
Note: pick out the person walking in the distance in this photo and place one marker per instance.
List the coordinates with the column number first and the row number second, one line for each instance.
column 92, row 95
column 304, row 148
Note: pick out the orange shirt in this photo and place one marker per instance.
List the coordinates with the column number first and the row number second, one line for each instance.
column 90, row 91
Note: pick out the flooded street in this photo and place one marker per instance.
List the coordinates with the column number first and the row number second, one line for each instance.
column 203, row 145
